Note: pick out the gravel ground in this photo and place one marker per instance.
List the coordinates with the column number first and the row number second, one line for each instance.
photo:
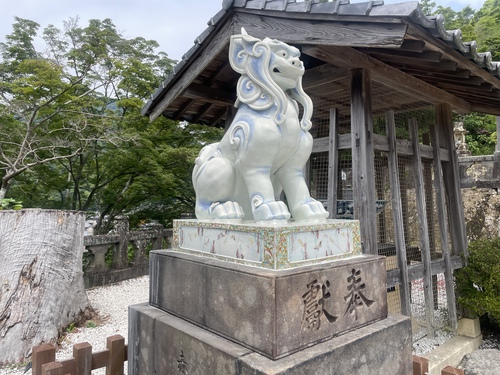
column 111, row 303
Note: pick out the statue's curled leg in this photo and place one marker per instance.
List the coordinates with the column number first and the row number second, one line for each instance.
column 291, row 177
column 214, row 180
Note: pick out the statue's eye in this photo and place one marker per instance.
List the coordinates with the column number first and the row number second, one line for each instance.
column 282, row 53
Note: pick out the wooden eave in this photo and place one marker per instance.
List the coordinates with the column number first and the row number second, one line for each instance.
column 402, row 53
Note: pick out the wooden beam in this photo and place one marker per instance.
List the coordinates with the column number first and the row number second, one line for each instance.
column 213, row 77
column 450, row 54
column 318, row 32
column 380, row 143
column 451, row 176
column 439, row 66
column 416, row 271
column 322, row 75
column 201, row 112
column 363, row 169
column 209, row 94
column 423, row 227
column 211, row 49
column 457, row 81
column 477, row 107
column 451, row 74
column 397, row 214
column 484, row 88
column 404, row 56
column 182, row 109
column 412, row 45
column 349, row 58
column 333, row 163
column 219, row 116
column 443, row 229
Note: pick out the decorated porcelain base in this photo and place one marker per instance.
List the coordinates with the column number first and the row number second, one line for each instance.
column 272, row 245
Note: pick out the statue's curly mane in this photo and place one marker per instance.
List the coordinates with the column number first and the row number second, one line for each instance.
column 262, row 153
column 256, row 88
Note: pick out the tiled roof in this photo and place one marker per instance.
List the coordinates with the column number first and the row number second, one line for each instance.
column 336, row 10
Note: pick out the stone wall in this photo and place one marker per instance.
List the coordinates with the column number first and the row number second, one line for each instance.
column 480, row 182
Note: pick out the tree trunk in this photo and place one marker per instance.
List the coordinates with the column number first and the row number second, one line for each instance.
column 41, row 290
column 3, row 191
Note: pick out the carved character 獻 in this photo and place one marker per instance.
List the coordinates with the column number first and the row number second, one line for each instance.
column 266, row 147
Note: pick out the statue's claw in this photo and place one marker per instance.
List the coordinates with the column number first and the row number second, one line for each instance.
column 271, row 211
column 226, row 210
column 312, row 210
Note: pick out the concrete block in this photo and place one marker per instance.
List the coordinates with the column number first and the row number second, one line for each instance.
column 451, row 353
column 160, row 343
column 469, row 327
column 359, row 352
column 448, row 370
column 274, row 312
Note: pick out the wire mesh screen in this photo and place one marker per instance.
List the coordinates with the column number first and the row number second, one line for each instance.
column 411, row 223
column 318, row 176
column 326, row 97
column 405, row 108
column 417, row 300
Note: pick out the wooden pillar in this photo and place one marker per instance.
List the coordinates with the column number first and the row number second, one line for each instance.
column 443, row 229
column 363, row 169
column 423, row 227
column 397, row 214
column 82, row 353
column 117, row 353
column 42, row 354
column 497, row 146
column 451, row 176
column 53, row 368
column 333, row 163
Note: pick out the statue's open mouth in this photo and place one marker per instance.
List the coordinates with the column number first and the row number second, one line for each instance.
column 292, row 72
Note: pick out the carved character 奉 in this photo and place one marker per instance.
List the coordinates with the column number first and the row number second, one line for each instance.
column 264, row 151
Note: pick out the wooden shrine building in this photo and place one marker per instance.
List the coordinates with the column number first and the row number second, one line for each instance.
column 386, row 82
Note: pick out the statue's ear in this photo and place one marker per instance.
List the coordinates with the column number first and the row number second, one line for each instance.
column 240, row 48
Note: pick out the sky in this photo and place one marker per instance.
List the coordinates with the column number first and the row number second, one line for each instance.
column 174, row 24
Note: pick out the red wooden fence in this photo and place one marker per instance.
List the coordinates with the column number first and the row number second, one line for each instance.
column 115, row 356
column 83, row 361
column 421, row 367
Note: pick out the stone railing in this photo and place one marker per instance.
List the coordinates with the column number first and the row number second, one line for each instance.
column 480, row 171
column 480, row 182
column 122, row 255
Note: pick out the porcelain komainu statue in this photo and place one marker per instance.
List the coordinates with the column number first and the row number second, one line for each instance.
column 266, row 147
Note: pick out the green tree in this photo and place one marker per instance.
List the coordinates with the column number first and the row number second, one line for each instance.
column 481, row 139
column 488, row 28
column 102, row 156
column 427, row 6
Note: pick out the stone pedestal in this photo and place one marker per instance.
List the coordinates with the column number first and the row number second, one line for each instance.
column 277, row 304
column 272, row 312
column 161, row 343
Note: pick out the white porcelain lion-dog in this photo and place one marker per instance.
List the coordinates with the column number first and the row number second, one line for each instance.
column 264, row 151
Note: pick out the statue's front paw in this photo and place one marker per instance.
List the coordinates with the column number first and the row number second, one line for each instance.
column 274, row 210
column 226, row 210
column 312, row 210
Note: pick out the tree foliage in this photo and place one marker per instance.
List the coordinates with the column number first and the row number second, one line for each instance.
column 478, row 284
column 72, row 136
column 71, row 133
column 482, row 26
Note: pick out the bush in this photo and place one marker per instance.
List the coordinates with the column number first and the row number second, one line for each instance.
column 478, row 284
